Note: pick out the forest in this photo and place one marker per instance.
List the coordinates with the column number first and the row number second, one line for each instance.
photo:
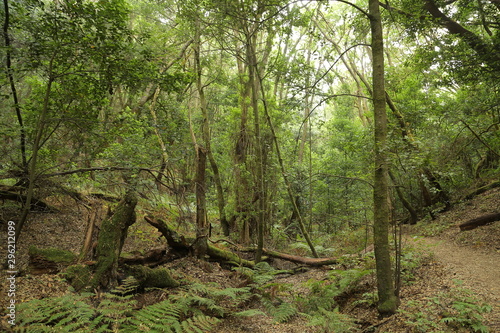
column 249, row 165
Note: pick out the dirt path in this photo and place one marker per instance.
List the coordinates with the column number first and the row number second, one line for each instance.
column 478, row 270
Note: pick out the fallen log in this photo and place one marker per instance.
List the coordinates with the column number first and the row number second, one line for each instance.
column 479, row 221
column 176, row 242
column 153, row 257
column 184, row 245
column 36, row 204
column 301, row 260
column 159, row 277
column 482, row 189
column 49, row 260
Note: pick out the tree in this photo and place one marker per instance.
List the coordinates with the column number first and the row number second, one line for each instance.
column 388, row 302
column 110, row 242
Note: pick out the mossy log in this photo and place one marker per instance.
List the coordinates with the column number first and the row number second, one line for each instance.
column 153, row 257
column 152, row 278
column 184, row 245
column 110, row 242
column 479, row 221
column 49, row 260
column 299, row 259
column 176, row 242
column 228, row 256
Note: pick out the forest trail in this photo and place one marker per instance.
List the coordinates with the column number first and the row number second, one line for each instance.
column 477, row 270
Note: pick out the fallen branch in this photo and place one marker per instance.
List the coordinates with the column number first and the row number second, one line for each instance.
column 182, row 244
column 301, row 260
column 36, row 204
column 176, row 242
column 296, row 259
column 479, row 221
column 482, row 189
column 153, row 257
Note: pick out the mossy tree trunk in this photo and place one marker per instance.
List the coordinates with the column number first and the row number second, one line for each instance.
column 110, row 242
column 202, row 226
column 387, row 299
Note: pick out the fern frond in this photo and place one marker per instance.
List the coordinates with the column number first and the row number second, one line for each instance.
column 200, row 324
column 249, row 313
column 284, row 312
column 128, row 286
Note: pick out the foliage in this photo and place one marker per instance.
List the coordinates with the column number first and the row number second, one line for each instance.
column 411, row 260
column 455, row 310
column 320, row 305
column 167, row 317
column 73, row 313
column 194, row 308
column 281, row 312
column 323, row 293
column 332, row 321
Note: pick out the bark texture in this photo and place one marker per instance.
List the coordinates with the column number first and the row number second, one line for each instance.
column 385, row 284
column 111, row 238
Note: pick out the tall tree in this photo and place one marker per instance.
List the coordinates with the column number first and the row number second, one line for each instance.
column 388, row 301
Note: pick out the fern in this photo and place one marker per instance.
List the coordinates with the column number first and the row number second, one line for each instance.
column 210, row 297
column 331, row 321
column 68, row 313
column 73, row 313
column 259, row 276
column 128, row 286
column 194, row 309
column 199, row 324
column 167, row 317
column 282, row 312
column 346, row 280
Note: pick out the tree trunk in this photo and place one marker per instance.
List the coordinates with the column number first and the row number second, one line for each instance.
column 291, row 195
column 32, row 167
column 221, row 203
column 180, row 244
column 259, row 175
column 387, row 300
column 404, row 201
column 111, row 238
column 202, row 227
column 242, row 182
column 13, row 89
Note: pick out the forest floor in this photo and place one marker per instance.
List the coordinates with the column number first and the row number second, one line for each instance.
column 446, row 268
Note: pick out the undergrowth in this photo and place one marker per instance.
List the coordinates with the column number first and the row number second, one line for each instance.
column 319, row 306
column 454, row 310
column 193, row 308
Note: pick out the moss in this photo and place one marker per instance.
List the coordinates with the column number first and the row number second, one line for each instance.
column 111, row 238
column 78, row 276
column 389, row 306
column 53, row 254
column 158, row 277
column 229, row 256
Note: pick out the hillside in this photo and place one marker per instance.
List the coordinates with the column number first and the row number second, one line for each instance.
column 441, row 268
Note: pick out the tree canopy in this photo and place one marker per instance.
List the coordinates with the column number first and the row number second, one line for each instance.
column 255, row 116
